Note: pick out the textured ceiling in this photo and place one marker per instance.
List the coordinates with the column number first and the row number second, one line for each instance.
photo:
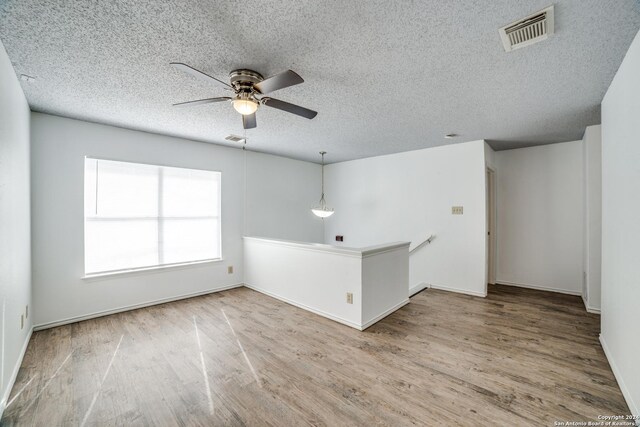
column 385, row 76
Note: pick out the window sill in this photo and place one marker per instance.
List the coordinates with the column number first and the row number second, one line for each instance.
column 148, row 270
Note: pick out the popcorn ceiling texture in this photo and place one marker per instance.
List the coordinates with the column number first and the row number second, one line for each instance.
column 385, row 76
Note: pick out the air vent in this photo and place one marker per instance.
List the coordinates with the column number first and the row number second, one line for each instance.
column 235, row 138
column 532, row 29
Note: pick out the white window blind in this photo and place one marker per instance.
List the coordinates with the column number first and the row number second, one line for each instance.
column 139, row 216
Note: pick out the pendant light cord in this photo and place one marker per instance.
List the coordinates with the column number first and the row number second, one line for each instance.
column 323, row 203
column 322, row 194
column 244, row 161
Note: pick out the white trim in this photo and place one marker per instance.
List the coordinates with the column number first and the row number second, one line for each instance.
column 313, row 247
column 14, row 374
column 151, row 269
column 384, row 314
column 61, row 322
column 384, row 248
column 305, row 307
column 539, row 288
column 593, row 310
column 459, row 291
column 135, row 162
column 418, row 288
column 321, row 247
column 635, row 410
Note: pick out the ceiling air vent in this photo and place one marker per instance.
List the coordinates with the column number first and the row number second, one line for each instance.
column 235, row 138
column 532, row 29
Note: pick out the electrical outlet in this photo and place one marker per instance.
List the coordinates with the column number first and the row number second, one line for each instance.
column 456, row 210
column 349, row 298
column 339, row 238
column 230, row 269
column 26, row 311
column 22, row 321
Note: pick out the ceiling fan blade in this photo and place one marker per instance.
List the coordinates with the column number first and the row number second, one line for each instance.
column 249, row 121
column 279, row 81
column 202, row 101
column 289, row 108
column 199, row 74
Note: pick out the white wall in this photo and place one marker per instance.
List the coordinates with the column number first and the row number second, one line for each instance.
column 59, row 146
column 280, row 194
column 385, row 283
column 317, row 277
column 621, row 225
column 406, row 197
column 314, row 278
column 15, row 248
column 592, row 164
column 540, row 210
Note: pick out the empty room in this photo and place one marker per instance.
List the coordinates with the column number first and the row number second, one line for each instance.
column 288, row 213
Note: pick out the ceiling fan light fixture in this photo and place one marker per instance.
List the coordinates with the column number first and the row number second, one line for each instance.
column 245, row 106
column 248, row 88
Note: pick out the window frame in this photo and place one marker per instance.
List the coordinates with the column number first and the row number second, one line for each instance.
column 159, row 219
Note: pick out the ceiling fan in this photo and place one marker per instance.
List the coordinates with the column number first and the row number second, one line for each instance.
column 249, row 87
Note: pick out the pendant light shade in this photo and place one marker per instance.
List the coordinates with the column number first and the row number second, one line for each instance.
column 322, row 210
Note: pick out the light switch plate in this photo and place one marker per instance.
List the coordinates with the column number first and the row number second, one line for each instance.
column 457, row 210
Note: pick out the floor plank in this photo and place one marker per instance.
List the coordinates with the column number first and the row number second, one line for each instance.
column 517, row 357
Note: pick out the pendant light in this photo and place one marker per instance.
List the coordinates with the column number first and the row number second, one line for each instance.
column 322, row 210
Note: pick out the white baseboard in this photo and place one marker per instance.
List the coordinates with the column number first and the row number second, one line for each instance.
column 459, row 291
column 593, row 310
column 305, row 307
column 590, row 309
column 14, row 374
column 538, row 288
column 417, row 288
column 56, row 323
column 635, row 410
column 384, row 314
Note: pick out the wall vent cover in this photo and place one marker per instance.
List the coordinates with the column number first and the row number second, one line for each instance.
column 234, row 138
column 525, row 32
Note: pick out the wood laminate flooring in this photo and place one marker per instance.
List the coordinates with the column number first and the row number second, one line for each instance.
column 518, row 357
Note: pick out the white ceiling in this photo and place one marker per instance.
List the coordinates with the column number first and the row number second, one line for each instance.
column 385, row 76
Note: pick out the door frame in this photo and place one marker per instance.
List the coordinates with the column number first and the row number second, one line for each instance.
column 492, row 233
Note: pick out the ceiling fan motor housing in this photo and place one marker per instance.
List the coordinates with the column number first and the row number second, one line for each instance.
column 245, row 78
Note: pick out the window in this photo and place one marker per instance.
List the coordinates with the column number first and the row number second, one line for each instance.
column 139, row 216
